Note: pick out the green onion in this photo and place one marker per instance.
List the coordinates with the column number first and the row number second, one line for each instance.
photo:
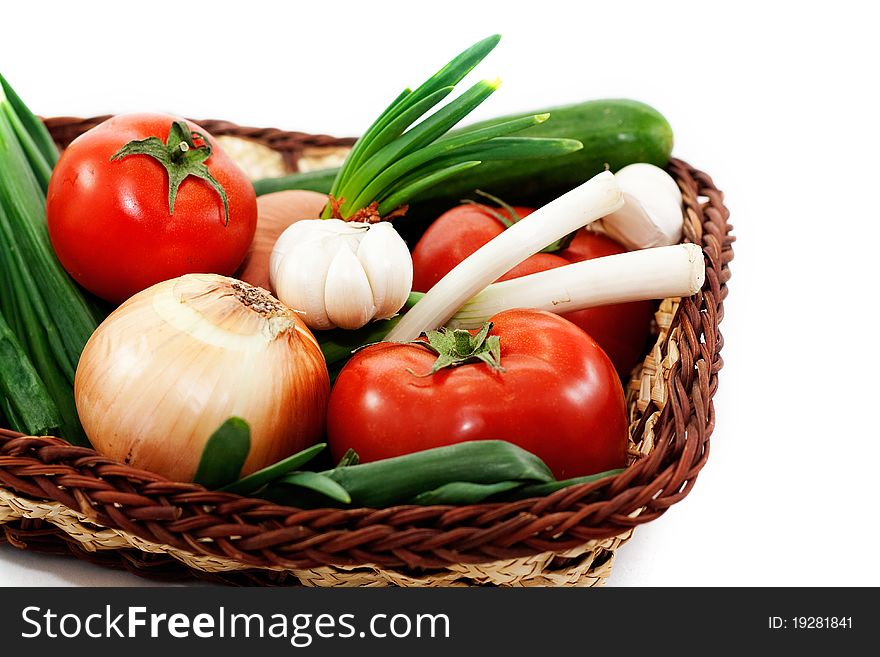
column 46, row 311
column 317, row 482
column 224, row 454
column 545, row 488
column 465, row 473
column 590, row 201
column 395, row 160
column 655, row 273
column 395, row 480
column 254, row 482
column 450, row 75
column 23, row 397
column 463, row 492
column 32, row 134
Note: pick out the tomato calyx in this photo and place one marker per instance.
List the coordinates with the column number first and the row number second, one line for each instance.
column 512, row 217
column 181, row 157
column 457, row 347
column 507, row 220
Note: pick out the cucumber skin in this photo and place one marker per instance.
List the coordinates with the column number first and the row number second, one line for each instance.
column 313, row 181
column 614, row 132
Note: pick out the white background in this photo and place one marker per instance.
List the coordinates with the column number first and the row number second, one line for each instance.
column 776, row 100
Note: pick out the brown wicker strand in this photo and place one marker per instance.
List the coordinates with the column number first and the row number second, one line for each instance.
column 291, row 145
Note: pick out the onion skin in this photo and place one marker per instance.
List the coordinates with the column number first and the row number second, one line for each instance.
column 275, row 212
column 175, row 361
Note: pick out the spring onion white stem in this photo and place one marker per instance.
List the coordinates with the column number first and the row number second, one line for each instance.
column 667, row 271
column 596, row 198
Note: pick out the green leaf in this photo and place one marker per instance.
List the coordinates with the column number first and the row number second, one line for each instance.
column 522, row 148
column 439, row 150
column 456, row 70
column 349, row 459
column 224, row 454
column 40, row 338
column 41, row 168
column 421, row 135
column 542, row 489
column 463, row 492
column 28, row 403
column 432, row 173
column 412, row 187
column 253, row 482
column 359, row 150
column 448, row 76
column 38, row 133
column 388, row 134
column 395, row 480
column 319, row 483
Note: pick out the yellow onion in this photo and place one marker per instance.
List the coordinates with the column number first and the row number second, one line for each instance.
column 175, row 361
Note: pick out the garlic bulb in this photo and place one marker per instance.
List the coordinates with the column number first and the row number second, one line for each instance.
column 175, row 361
column 341, row 273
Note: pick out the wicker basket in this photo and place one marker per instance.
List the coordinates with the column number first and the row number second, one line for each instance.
column 58, row 498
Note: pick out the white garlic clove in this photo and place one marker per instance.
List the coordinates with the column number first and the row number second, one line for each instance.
column 388, row 266
column 293, row 236
column 651, row 215
column 348, row 297
column 300, row 280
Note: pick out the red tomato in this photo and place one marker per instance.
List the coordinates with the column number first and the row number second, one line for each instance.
column 452, row 237
column 558, row 397
column 110, row 223
column 620, row 329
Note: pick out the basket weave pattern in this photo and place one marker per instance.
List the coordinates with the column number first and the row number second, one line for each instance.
column 59, row 498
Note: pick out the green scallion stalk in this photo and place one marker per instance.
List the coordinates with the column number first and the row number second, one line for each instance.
column 45, row 310
column 32, row 134
column 449, row 76
column 24, row 399
column 398, row 158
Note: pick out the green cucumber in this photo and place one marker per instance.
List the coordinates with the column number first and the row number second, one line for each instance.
column 614, row 133
column 320, row 180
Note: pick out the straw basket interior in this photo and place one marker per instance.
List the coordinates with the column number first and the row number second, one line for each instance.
column 63, row 499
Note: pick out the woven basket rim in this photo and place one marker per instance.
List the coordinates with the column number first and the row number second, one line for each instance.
column 262, row 534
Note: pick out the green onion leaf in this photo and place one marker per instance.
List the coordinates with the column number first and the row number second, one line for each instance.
column 396, row 480
column 27, row 403
column 319, row 483
column 36, row 130
column 40, row 167
column 542, row 489
column 45, row 310
column 410, row 189
column 448, row 76
column 349, row 459
column 421, row 135
column 444, row 147
column 463, row 492
column 260, row 478
column 224, row 454
column 398, row 158
column 522, row 148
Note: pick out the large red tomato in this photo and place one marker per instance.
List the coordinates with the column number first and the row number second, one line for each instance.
column 620, row 329
column 557, row 396
column 110, row 219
